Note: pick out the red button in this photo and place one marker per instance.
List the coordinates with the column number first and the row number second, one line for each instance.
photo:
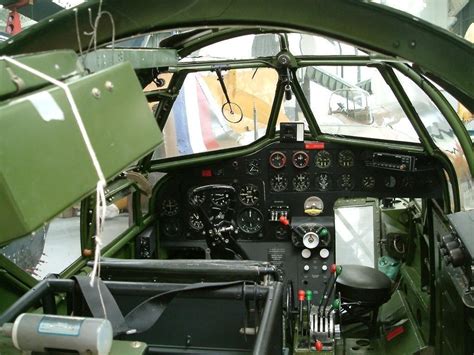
column 318, row 345
column 206, row 172
column 333, row 268
column 314, row 146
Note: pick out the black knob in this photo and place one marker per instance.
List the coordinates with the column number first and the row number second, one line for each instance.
column 447, row 238
column 452, row 245
column 457, row 257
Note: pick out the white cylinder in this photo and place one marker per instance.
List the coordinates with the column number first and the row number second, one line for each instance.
column 40, row 332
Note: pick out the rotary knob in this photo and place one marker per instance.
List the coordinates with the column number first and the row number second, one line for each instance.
column 310, row 240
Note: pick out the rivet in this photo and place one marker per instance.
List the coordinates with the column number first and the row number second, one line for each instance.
column 109, row 86
column 412, row 44
column 396, row 44
column 56, row 66
column 96, row 93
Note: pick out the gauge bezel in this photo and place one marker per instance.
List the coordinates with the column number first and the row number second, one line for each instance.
column 295, row 154
column 254, row 189
column 319, row 154
column 343, row 154
column 240, row 224
column 285, row 178
column 283, row 155
column 308, row 179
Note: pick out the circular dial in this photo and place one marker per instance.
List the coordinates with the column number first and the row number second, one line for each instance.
column 345, row 182
column 346, row 158
column 279, row 182
column 323, row 182
column 313, row 206
column 170, row 207
column 171, row 227
column 323, row 159
column 253, row 167
column 220, row 199
column 250, row 220
column 301, row 182
column 368, row 182
column 310, row 240
column 195, row 221
column 197, row 199
column 277, row 160
column 300, row 159
column 249, row 194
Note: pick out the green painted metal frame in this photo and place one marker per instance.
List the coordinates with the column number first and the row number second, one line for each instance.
column 391, row 32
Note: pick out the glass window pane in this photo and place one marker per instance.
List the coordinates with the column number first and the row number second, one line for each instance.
column 355, row 101
column 51, row 248
column 201, row 121
column 443, row 136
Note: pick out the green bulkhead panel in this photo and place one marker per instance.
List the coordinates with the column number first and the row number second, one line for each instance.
column 44, row 163
column 60, row 65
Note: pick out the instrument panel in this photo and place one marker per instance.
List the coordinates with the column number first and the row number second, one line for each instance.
column 281, row 177
column 277, row 203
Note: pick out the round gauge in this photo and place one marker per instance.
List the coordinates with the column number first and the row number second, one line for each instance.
column 197, row 199
column 253, row 167
column 323, row 182
column 346, row 158
column 195, row 221
column 313, row 206
column 408, row 182
column 300, row 159
column 368, row 182
column 169, row 207
column 310, row 240
column 279, row 182
column 171, row 227
column 277, row 160
column 301, row 182
column 323, row 159
column 250, row 220
column 249, row 194
column 390, row 182
column 345, row 182
column 220, row 199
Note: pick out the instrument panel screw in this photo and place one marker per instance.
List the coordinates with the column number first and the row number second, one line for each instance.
column 96, row 93
column 135, row 344
column 109, row 85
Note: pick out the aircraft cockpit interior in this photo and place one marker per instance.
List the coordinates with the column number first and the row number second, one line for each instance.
column 271, row 189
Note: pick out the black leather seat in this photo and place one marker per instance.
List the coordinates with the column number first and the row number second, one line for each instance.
column 358, row 283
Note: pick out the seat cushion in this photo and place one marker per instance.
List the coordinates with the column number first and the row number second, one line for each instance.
column 364, row 284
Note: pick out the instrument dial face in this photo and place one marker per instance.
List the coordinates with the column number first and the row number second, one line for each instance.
column 195, row 221
column 345, row 182
column 250, row 220
column 323, row 159
column 300, row 159
column 220, row 199
column 253, row 167
column 249, row 194
column 368, row 182
column 277, row 160
column 346, row 158
column 170, row 207
column 301, row 182
column 171, row 227
column 197, row 199
column 323, row 182
column 279, row 182
column 314, row 203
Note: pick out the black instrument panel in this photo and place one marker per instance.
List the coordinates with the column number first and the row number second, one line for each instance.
column 247, row 197
column 281, row 177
